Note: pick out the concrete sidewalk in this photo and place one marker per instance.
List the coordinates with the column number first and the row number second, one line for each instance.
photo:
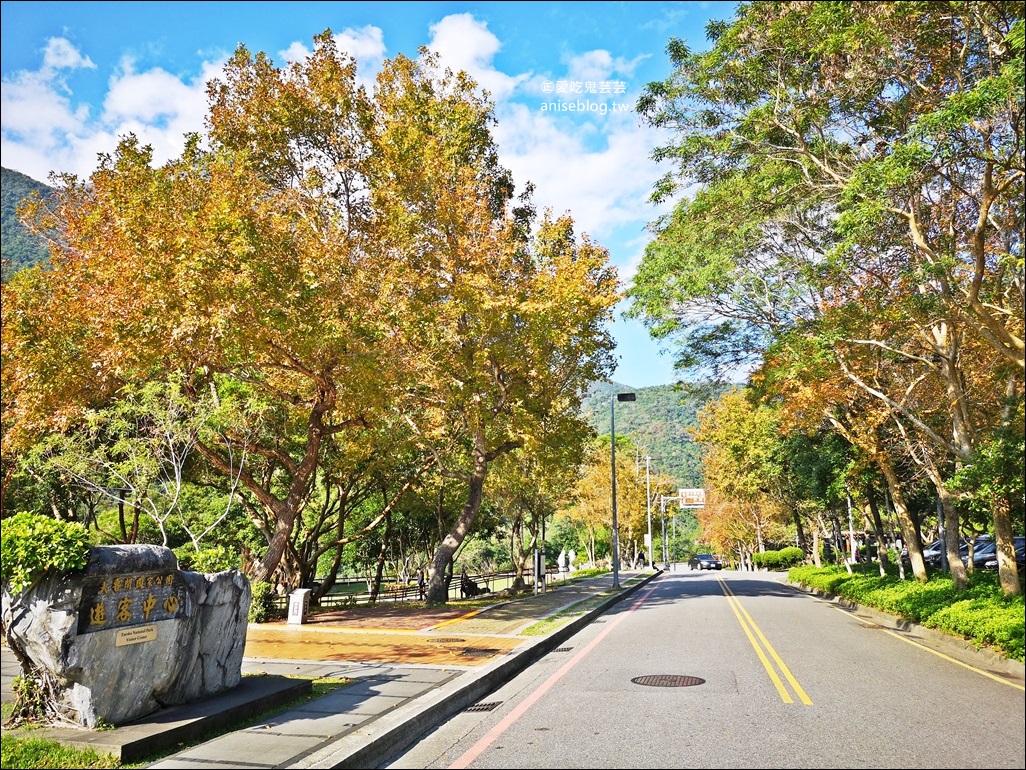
column 411, row 670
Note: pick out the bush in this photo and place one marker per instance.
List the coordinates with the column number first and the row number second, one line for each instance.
column 215, row 559
column 782, row 559
column 32, row 545
column 262, row 608
column 791, row 557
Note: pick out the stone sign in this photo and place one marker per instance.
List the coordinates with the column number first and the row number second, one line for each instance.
column 130, row 600
column 132, row 633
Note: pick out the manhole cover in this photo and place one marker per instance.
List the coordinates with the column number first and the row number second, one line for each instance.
column 446, row 640
column 479, row 651
column 668, row 680
column 484, row 706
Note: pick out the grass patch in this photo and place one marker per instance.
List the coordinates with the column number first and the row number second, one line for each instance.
column 560, row 619
column 36, row 753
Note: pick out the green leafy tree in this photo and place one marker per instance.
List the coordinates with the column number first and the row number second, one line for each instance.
column 858, row 206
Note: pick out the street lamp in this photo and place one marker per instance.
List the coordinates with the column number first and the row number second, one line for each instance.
column 612, row 435
column 662, row 505
column 647, row 502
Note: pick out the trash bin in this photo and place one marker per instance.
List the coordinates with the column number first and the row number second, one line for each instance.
column 299, row 605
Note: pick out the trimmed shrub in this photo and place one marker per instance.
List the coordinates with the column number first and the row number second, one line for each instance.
column 782, row 559
column 980, row 614
column 791, row 557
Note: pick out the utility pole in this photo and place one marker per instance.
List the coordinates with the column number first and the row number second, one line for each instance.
column 648, row 506
column 612, row 457
column 663, row 499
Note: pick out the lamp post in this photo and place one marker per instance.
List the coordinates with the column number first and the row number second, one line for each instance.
column 612, row 444
column 648, row 507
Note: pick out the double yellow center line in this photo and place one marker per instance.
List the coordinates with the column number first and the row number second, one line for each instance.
column 765, row 651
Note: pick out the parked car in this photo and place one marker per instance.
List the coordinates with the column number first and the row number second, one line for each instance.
column 934, row 553
column 982, row 554
column 930, row 552
column 1020, row 555
column 705, row 561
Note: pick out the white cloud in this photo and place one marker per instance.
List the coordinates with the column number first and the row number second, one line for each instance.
column 464, row 43
column 44, row 131
column 60, row 54
column 152, row 96
column 366, row 44
column 604, row 189
column 38, row 116
column 600, row 65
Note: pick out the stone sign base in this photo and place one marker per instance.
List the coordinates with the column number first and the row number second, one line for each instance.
column 132, row 633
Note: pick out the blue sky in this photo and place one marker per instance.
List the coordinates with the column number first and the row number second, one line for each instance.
column 76, row 76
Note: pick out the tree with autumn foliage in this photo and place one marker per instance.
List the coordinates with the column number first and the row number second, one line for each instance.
column 503, row 328
column 588, row 504
column 739, row 466
column 352, row 265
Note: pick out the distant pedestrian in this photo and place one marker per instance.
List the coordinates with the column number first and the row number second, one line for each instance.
column 422, row 584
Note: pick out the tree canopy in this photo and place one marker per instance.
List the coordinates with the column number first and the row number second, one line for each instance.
column 851, row 227
column 349, row 269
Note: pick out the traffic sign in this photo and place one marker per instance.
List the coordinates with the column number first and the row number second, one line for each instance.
column 692, row 498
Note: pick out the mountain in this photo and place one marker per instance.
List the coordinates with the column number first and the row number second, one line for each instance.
column 657, row 423
column 18, row 248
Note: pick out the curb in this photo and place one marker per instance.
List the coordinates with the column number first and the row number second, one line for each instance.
column 393, row 733
column 956, row 647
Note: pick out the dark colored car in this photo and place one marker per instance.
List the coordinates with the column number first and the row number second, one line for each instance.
column 981, row 554
column 1020, row 555
column 933, row 554
column 705, row 561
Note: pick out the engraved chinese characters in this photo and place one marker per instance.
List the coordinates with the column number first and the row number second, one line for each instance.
column 118, row 601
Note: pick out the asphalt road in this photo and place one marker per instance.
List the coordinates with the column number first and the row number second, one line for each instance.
column 732, row 669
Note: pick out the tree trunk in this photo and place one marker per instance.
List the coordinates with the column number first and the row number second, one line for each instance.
column 908, row 527
column 379, row 569
column 436, row 592
column 800, row 532
column 1001, row 507
column 874, row 512
column 951, row 537
column 1008, row 570
column 282, row 511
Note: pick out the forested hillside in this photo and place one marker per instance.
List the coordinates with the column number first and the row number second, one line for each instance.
column 657, row 423
column 19, row 249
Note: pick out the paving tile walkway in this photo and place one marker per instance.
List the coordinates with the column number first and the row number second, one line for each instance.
column 411, row 668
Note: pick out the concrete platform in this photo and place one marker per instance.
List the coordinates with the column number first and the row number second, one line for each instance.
column 179, row 725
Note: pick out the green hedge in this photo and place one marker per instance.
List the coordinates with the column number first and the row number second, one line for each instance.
column 262, row 608
column 207, row 560
column 981, row 614
column 782, row 559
